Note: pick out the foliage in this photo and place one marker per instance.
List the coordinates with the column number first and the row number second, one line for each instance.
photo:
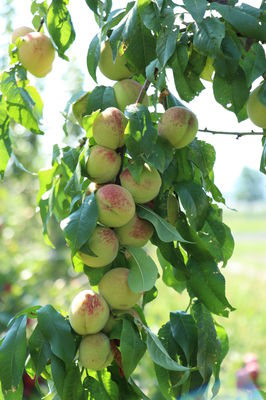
column 157, row 37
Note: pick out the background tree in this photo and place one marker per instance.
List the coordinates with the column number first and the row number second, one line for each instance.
column 250, row 186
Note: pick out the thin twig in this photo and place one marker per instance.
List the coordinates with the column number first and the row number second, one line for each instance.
column 41, row 24
column 238, row 134
column 143, row 91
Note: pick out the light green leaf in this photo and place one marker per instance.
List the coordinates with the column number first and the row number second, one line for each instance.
column 143, row 270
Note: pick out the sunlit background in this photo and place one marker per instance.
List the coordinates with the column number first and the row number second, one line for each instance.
column 32, row 273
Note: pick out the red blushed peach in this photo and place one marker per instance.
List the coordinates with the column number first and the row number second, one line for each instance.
column 137, row 232
column 179, row 126
column 114, row 288
column 127, row 92
column 148, row 186
column 36, row 53
column 104, row 244
column 95, row 352
column 115, row 205
column 103, row 164
column 108, row 128
column 113, row 70
column 19, row 32
column 88, row 312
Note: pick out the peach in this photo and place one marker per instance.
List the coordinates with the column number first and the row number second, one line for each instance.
column 114, row 288
column 179, row 126
column 19, row 32
column 104, row 244
column 88, row 312
column 137, row 232
column 127, row 92
column 95, row 352
column 115, row 205
column 113, row 70
column 36, row 53
column 108, row 327
column 148, row 186
column 103, row 164
column 108, row 128
column 256, row 109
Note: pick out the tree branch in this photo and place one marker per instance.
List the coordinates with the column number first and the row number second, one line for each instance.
column 143, row 91
column 41, row 24
column 238, row 134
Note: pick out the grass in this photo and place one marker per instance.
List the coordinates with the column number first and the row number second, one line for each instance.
column 246, row 281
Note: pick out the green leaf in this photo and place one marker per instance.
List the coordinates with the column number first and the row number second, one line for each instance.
column 96, row 389
column 143, row 270
column 93, row 5
column 5, row 142
column 194, row 201
column 131, row 346
column 231, row 93
column 208, row 344
column 224, row 346
column 60, row 26
column 208, row 285
column 13, row 355
column 109, row 385
column 166, row 44
column 263, row 159
column 209, row 36
column 254, row 63
column 159, row 354
column 57, row 332
column 13, row 395
column 196, row 8
column 79, row 225
column 184, row 331
column 46, row 181
column 45, row 213
column 150, row 14
column 93, row 56
column 170, row 275
column 101, row 98
column 20, row 105
column 73, row 389
column 243, row 21
column 40, row 350
column 58, row 373
column 165, row 231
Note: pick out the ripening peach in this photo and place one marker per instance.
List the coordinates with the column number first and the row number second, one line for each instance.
column 179, row 126
column 256, row 109
column 127, row 92
column 108, row 128
column 115, row 205
column 148, row 186
column 103, row 164
column 137, row 232
column 115, row 289
column 104, row 244
column 36, row 53
column 19, row 32
column 88, row 312
column 95, row 352
column 113, row 70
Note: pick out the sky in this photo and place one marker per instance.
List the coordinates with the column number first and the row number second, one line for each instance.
column 231, row 154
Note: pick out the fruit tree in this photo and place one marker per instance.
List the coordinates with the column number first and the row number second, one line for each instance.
column 136, row 179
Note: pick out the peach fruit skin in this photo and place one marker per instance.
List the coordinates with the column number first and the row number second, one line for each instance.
column 179, row 126
column 256, row 109
column 115, row 205
column 108, row 128
column 95, row 352
column 36, row 53
column 104, row 244
column 127, row 92
column 103, row 164
column 137, row 232
column 148, row 186
column 21, row 31
column 88, row 312
column 113, row 70
column 114, row 288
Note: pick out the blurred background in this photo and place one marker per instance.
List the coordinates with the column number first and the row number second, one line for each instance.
column 32, row 273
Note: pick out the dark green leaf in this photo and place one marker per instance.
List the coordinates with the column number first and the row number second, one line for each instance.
column 209, row 36
column 73, row 389
column 194, row 201
column 101, row 98
column 149, row 14
column 40, row 350
column 208, row 344
column 208, row 284
column 243, row 21
column 170, row 277
column 224, row 346
column 60, row 26
column 93, row 4
column 5, row 143
column 196, row 8
column 254, row 63
column 143, row 270
column 13, row 354
column 96, row 389
column 131, row 346
column 57, row 332
column 263, row 159
column 165, row 231
column 79, row 226
column 93, row 55
column 166, row 44
column 58, row 373
column 184, row 331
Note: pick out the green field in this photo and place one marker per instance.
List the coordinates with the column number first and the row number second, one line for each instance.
column 246, row 287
